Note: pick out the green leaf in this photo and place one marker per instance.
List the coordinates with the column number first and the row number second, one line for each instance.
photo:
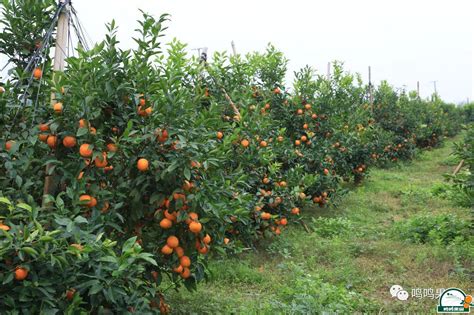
column 8, row 278
column 24, row 206
column 148, row 257
column 30, row 250
column 81, row 132
column 5, row 201
column 187, row 173
column 129, row 244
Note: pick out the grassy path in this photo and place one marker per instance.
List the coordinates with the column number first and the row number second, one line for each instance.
column 356, row 252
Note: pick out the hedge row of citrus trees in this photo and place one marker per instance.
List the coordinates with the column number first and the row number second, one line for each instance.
column 148, row 162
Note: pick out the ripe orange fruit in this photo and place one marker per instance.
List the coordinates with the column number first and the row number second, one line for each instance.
column 195, row 227
column 172, row 241
column 93, row 131
column 21, row 273
column 187, row 186
column 166, row 250
column 178, row 269
column 177, row 196
column 185, row 261
column 162, row 135
column 142, row 165
column 91, row 201
column 70, row 294
column 58, row 108
column 148, row 111
column 280, row 139
column 305, row 126
column 277, row 90
column 297, row 142
column 37, row 73
column 307, row 106
column 43, row 137
column 295, row 210
column 192, row 216
column 85, row 150
column 142, row 102
column 166, row 223
column 219, row 135
column 265, row 216
column 226, row 240
column 111, row 147
column 52, row 141
column 304, row 138
column 43, row 127
column 267, row 106
column 2, row 90
column 179, row 251
column 101, row 162
column 207, row 239
column 82, row 123
column 282, row 184
column 69, row 141
column 105, row 207
column 326, row 171
column 9, row 144
column 314, row 116
column 245, row 143
column 263, row 144
column 299, row 112
column 283, row 221
column 203, row 250
column 4, row 227
column 360, row 169
column 186, row 273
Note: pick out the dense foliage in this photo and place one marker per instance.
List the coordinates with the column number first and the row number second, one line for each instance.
column 152, row 159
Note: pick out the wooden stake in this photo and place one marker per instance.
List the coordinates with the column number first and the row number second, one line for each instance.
column 59, row 57
column 458, row 168
column 305, row 226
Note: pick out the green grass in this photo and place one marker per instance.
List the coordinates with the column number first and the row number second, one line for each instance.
column 354, row 254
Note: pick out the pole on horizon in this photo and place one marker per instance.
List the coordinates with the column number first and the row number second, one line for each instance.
column 371, row 96
column 418, row 88
column 329, row 71
column 58, row 66
column 233, row 48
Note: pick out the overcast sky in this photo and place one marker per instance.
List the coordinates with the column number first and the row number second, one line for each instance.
column 404, row 41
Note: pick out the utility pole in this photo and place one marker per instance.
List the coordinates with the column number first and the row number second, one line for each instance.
column 233, row 48
column 329, row 71
column 371, row 96
column 418, row 88
column 58, row 66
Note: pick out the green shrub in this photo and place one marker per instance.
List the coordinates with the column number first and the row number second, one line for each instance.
column 61, row 255
column 435, row 229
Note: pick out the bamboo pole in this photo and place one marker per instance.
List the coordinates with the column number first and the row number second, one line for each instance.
column 59, row 58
